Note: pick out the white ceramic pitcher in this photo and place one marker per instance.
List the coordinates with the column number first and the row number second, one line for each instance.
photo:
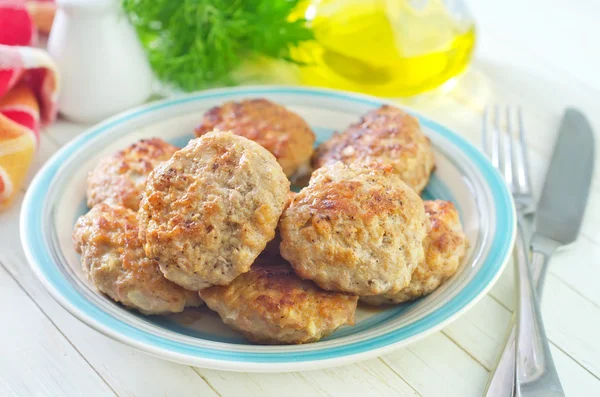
column 102, row 64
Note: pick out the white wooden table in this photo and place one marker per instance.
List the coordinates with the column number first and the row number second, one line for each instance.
column 541, row 54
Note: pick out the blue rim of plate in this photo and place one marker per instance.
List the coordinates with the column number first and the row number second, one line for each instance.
column 40, row 259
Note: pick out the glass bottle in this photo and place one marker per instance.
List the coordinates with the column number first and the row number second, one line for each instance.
column 392, row 48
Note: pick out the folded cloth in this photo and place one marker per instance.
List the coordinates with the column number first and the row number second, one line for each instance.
column 20, row 20
column 28, row 96
column 17, row 24
column 42, row 12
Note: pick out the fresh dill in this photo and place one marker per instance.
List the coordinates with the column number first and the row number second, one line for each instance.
column 192, row 44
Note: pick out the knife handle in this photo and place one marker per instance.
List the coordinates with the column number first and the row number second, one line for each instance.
column 536, row 374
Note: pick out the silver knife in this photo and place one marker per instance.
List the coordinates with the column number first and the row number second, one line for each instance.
column 565, row 193
column 558, row 221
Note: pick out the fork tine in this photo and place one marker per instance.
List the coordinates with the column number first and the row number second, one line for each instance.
column 504, row 142
column 524, row 174
column 485, row 131
column 511, row 162
column 496, row 153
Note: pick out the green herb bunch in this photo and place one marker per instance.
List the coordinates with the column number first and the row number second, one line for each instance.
column 197, row 43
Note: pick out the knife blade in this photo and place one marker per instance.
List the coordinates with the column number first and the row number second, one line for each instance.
column 565, row 192
column 560, row 213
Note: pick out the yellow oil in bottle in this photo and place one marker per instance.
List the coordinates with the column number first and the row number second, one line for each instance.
column 383, row 47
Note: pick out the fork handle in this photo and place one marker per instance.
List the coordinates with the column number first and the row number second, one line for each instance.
column 502, row 381
column 535, row 372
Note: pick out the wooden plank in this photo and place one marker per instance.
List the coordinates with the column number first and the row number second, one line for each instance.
column 35, row 358
column 127, row 371
column 481, row 331
column 435, row 366
column 573, row 323
column 590, row 228
column 372, row 378
column 575, row 379
column 62, row 131
column 504, row 290
column 574, row 265
column 247, row 384
column 45, row 150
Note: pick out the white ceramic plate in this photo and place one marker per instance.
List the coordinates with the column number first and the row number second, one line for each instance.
column 56, row 198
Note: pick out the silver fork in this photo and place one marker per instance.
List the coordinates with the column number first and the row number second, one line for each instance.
column 504, row 141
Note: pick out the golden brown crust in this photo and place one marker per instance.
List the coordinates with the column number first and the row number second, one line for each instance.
column 113, row 258
column 271, row 305
column 386, row 135
column 445, row 246
column 357, row 229
column 282, row 132
column 120, row 178
column 210, row 210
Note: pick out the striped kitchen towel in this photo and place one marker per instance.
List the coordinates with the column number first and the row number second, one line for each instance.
column 28, row 95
